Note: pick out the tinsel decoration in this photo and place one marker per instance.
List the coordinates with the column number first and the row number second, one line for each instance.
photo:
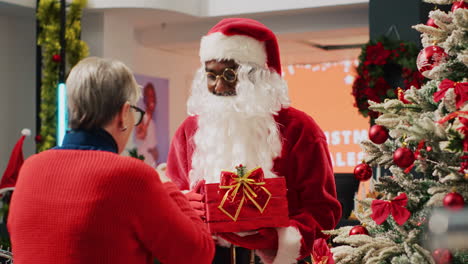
column 76, row 49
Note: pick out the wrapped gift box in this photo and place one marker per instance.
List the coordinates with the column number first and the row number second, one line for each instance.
column 246, row 202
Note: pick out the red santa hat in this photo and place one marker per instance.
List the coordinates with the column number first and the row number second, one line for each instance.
column 10, row 175
column 243, row 40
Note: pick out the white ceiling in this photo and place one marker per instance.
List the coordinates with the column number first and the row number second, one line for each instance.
column 204, row 8
column 333, row 25
column 331, row 22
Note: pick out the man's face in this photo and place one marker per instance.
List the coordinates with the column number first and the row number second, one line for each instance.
column 221, row 77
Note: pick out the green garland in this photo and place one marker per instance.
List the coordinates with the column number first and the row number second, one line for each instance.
column 48, row 15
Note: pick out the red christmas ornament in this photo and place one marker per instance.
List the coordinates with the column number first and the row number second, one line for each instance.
column 430, row 22
column 459, row 4
column 454, row 201
column 38, row 138
column 428, row 148
column 403, row 157
column 378, row 134
column 363, row 172
column 358, row 230
column 56, row 58
column 442, row 256
column 429, row 58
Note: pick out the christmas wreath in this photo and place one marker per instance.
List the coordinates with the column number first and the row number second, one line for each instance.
column 384, row 65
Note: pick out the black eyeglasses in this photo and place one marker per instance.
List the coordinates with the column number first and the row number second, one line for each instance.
column 139, row 113
column 229, row 75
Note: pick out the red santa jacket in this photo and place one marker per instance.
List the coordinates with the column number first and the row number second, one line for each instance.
column 306, row 165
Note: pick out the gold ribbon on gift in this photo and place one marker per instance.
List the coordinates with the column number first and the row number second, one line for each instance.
column 247, row 185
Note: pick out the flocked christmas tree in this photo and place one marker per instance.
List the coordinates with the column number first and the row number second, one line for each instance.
column 422, row 138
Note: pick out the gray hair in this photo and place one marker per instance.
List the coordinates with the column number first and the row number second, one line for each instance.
column 97, row 88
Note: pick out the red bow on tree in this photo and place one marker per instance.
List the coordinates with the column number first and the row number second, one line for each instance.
column 464, row 130
column 382, row 209
column 461, row 91
column 321, row 253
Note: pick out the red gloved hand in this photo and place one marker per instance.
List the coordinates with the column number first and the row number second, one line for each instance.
column 266, row 238
column 196, row 200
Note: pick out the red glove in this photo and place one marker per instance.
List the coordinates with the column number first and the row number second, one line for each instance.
column 196, row 200
column 266, row 238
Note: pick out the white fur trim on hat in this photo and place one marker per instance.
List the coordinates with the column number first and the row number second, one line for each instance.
column 289, row 246
column 26, row 132
column 243, row 49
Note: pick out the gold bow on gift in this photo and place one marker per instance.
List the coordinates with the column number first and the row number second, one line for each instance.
column 243, row 187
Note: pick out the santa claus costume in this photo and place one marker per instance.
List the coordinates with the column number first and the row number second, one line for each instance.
column 257, row 128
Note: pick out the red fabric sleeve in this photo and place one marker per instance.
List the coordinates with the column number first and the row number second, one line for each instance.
column 312, row 192
column 166, row 224
column 179, row 160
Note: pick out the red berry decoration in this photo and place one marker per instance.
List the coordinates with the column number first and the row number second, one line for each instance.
column 421, row 222
column 459, row 4
column 403, row 157
column 56, row 58
column 430, row 22
column 378, row 134
column 428, row 148
column 454, row 201
column 38, row 138
column 363, row 172
column 358, row 230
column 442, row 256
column 429, row 58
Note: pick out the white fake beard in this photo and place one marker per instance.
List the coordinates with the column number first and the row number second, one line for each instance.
column 238, row 129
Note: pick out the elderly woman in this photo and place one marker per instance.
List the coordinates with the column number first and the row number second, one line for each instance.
column 84, row 203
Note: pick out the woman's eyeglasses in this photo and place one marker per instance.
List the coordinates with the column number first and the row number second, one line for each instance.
column 229, row 75
column 139, row 113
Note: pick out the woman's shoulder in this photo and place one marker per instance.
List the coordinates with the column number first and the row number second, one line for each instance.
column 91, row 158
column 96, row 171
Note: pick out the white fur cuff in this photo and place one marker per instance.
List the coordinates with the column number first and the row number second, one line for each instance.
column 289, row 246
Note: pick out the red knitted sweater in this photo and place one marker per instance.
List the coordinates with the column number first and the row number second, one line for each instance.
column 81, row 206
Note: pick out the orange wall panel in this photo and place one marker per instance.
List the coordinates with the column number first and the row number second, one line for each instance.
column 324, row 92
